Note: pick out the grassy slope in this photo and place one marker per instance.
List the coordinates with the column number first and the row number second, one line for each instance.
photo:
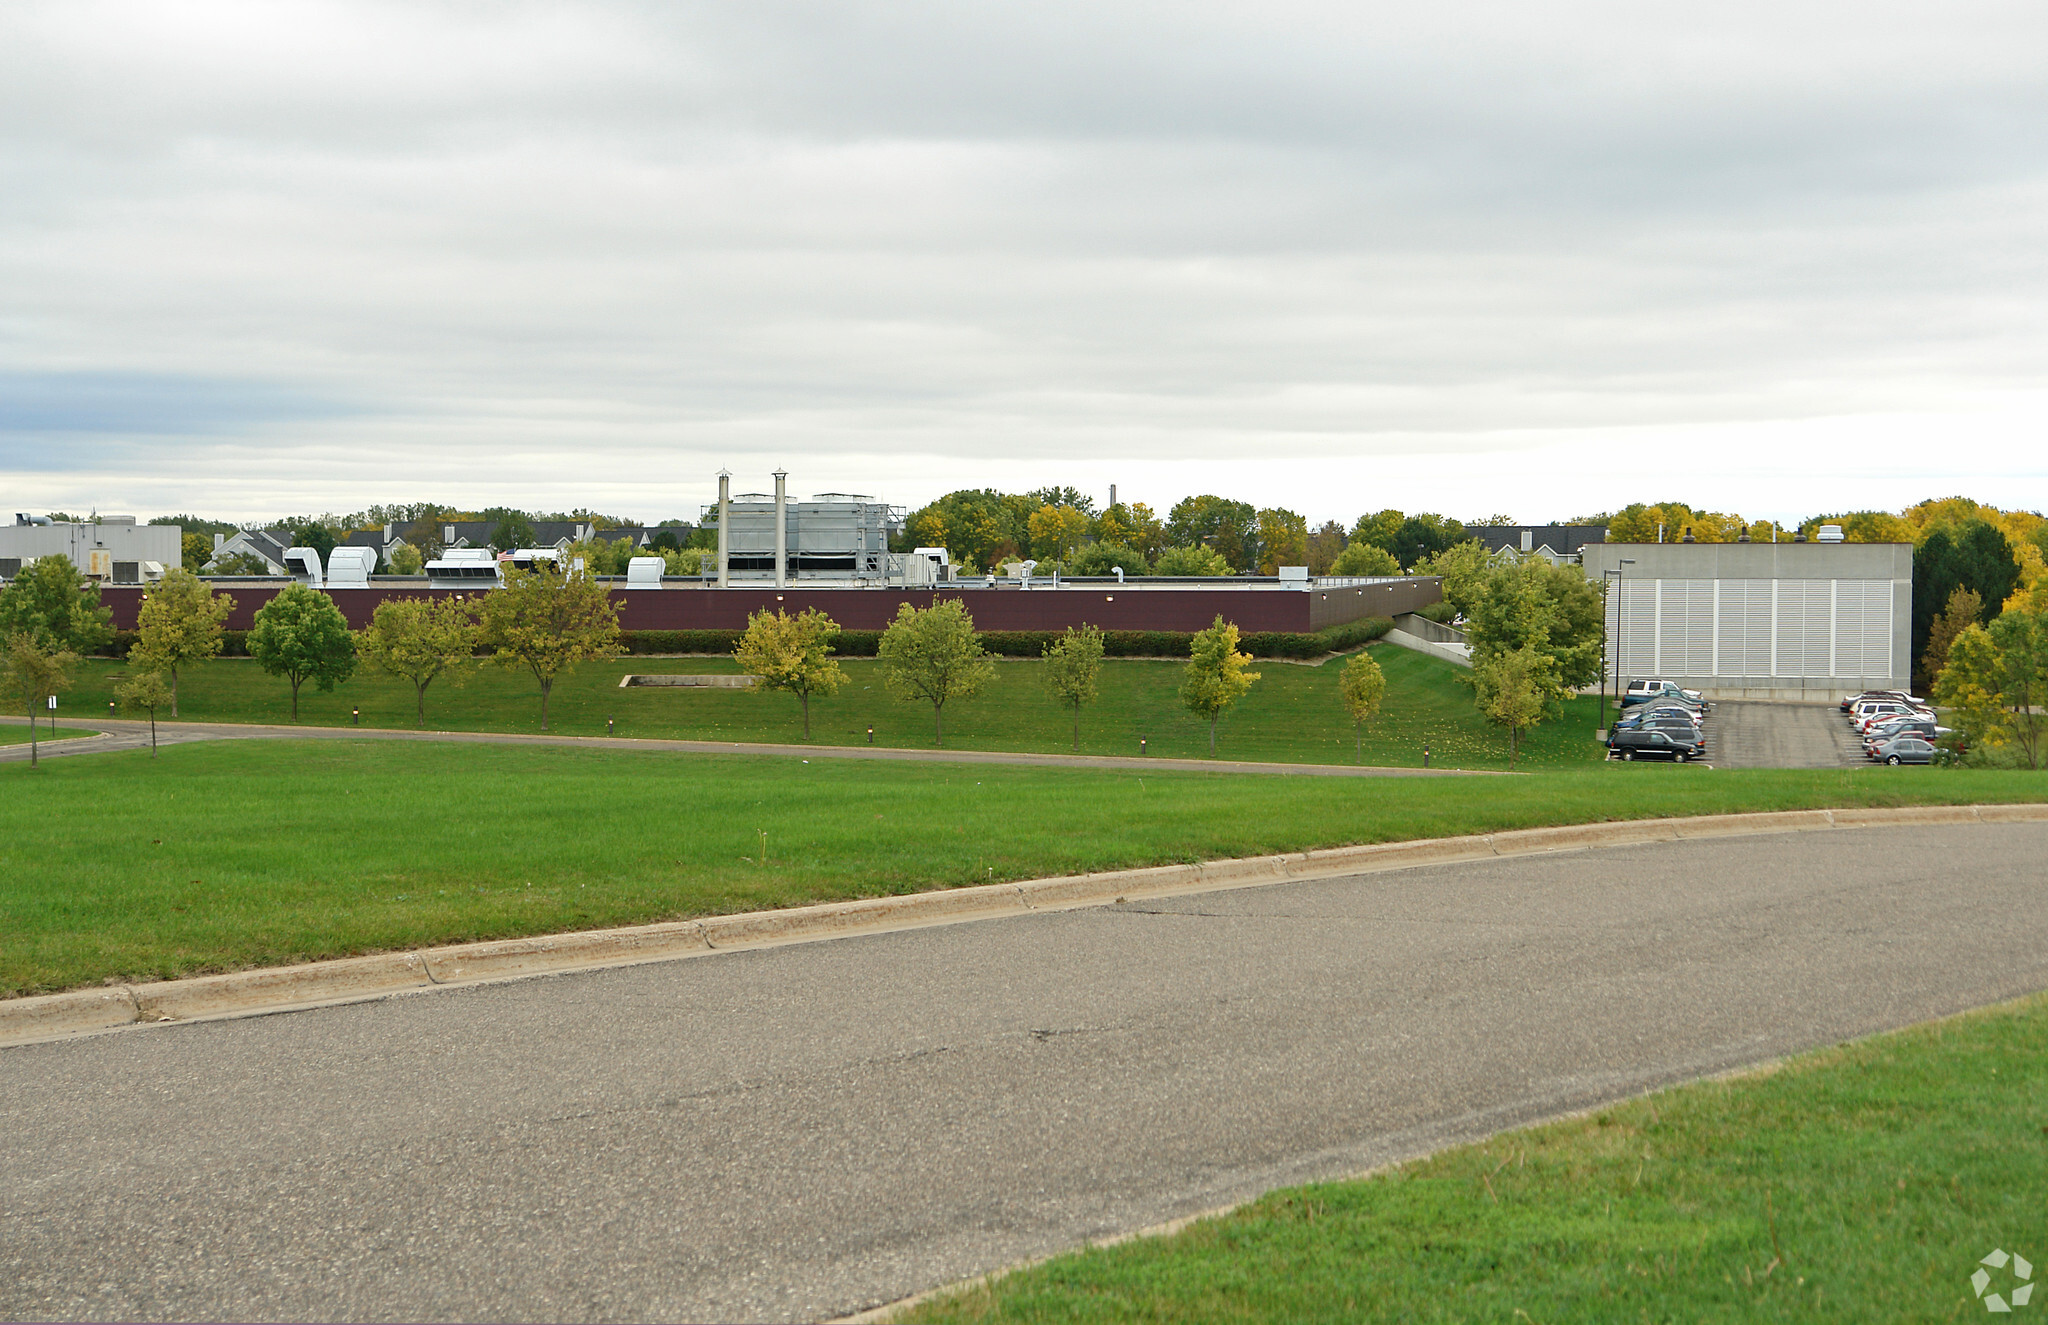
column 231, row 854
column 1292, row 715
column 1858, row 1183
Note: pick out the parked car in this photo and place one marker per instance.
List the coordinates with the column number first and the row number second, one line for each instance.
column 1904, row 726
column 1641, row 692
column 1884, row 713
column 1865, row 709
column 1655, row 743
column 1905, row 750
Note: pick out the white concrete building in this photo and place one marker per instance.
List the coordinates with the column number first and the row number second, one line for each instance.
column 112, row 549
column 1759, row 620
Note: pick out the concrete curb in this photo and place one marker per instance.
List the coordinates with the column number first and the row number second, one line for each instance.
column 353, row 979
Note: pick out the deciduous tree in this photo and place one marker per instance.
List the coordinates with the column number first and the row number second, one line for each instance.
column 55, row 604
column 33, row 673
column 1283, row 540
column 1515, row 689
column 1996, row 683
column 1190, row 561
column 1964, row 609
column 1105, row 559
column 792, row 654
column 934, row 655
column 547, row 620
column 1365, row 559
column 145, row 691
column 179, row 624
column 1215, row 677
column 1056, row 531
column 1073, row 662
column 302, row 636
column 1363, row 687
column 419, row 639
column 1463, row 568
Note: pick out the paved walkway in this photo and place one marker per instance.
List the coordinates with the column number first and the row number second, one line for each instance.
column 124, row 734
column 791, row 1133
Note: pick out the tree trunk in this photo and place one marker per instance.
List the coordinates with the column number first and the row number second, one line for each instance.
column 1212, row 736
column 545, row 686
column 419, row 695
column 296, row 680
column 806, row 698
column 939, row 723
column 152, row 733
column 1357, row 743
column 174, row 701
column 1077, row 729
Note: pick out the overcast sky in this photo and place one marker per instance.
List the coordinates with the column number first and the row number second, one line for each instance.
column 1532, row 259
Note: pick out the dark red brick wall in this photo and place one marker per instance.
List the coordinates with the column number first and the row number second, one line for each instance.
column 1131, row 608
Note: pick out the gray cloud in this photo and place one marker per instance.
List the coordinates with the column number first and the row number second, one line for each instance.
column 565, row 255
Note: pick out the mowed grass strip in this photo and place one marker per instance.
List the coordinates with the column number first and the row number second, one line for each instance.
column 225, row 855
column 1293, row 714
column 1860, row 1183
column 17, row 733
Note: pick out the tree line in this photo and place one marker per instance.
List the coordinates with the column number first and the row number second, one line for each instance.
column 1207, row 535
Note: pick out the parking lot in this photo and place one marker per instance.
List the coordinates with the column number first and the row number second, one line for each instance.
column 1762, row 734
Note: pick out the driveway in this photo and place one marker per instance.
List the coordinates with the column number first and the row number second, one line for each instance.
column 805, row 1131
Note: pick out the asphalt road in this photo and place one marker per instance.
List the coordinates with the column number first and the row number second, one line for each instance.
column 804, row 1131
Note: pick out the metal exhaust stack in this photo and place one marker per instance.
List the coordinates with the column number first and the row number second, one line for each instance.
column 724, row 528
column 781, row 528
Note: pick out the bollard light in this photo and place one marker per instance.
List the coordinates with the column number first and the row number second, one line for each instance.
column 871, row 736
column 1425, row 756
column 607, row 726
column 110, row 708
column 357, row 714
column 1141, row 747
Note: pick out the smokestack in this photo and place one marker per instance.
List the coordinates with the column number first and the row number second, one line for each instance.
column 1112, row 494
column 781, row 528
column 724, row 529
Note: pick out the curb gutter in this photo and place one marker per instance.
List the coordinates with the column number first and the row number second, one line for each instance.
column 353, row 979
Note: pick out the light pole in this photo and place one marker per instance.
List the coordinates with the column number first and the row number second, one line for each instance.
column 1618, row 575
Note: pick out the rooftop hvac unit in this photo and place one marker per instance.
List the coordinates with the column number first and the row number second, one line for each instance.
column 303, row 565
column 645, row 572
column 350, row 567
column 463, row 567
column 1828, row 533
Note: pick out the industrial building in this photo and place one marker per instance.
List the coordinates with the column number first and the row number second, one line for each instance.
column 1798, row 621
column 111, row 549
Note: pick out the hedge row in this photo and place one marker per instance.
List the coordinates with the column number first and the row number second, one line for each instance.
column 1008, row 643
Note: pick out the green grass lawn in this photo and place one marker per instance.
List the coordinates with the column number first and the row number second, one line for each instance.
column 1860, row 1183
column 1292, row 715
column 222, row 855
column 11, row 734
